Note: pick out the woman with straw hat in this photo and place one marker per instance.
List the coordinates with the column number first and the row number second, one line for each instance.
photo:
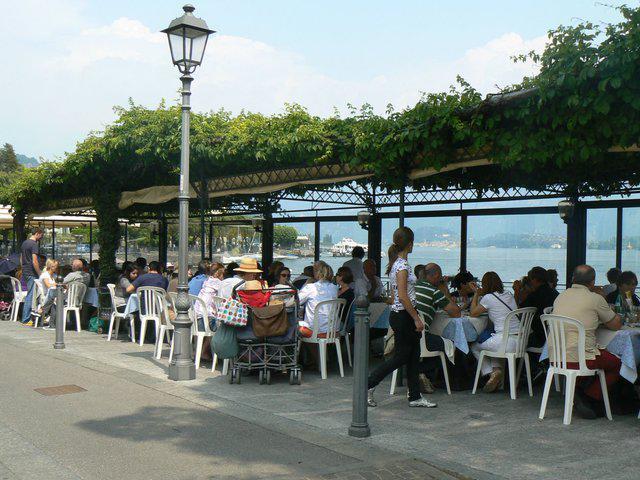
column 247, row 270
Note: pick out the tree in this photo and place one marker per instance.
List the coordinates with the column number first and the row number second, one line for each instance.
column 8, row 160
column 284, row 236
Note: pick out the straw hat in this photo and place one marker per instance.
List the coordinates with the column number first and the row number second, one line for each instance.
column 252, row 285
column 248, row 265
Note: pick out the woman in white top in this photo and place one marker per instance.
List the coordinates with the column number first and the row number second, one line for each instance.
column 404, row 320
column 209, row 290
column 313, row 293
column 491, row 299
column 47, row 276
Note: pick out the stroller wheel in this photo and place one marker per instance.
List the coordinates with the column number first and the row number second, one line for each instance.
column 261, row 377
column 239, row 376
column 231, row 376
column 268, row 377
column 294, row 377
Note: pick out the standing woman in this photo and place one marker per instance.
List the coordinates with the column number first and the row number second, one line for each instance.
column 407, row 326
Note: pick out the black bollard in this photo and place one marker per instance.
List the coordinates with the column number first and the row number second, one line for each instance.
column 359, row 424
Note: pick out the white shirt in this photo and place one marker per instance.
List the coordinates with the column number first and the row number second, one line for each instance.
column 312, row 294
column 226, row 287
column 362, row 286
column 356, row 267
column 46, row 275
column 399, row 265
column 498, row 311
column 210, row 289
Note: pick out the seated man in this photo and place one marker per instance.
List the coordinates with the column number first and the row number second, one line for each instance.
column 432, row 294
column 152, row 279
column 591, row 309
column 77, row 275
column 541, row 297
column 370, row 284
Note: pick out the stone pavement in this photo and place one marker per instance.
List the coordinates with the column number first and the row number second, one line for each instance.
column 481, row 436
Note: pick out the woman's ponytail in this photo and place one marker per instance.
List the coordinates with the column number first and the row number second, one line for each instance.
column 402, row 238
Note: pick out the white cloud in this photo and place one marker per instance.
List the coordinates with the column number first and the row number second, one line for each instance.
column 73, row 83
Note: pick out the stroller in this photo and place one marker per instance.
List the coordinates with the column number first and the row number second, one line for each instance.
column 267, row 353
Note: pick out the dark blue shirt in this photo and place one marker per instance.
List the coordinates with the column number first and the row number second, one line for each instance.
column 151, row 280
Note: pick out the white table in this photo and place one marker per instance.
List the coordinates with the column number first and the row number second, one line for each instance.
column 461, row 331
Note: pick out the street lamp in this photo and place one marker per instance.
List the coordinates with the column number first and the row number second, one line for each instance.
column 187, row 40
column 363, row 219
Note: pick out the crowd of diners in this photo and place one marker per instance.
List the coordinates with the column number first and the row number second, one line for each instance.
column 414, row 296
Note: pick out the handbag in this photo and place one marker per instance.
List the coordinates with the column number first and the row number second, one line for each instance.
column 232, row 312
column 270, row 321
column 224, row 343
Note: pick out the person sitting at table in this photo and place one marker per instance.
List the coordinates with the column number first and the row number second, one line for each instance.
column 302, row 279
column 432, row 294
column 355, row 264
column 581, row 303
column 272, row 273
column 77, row 275
column 370, row 284
column 344, row 279
column 47, row 277
column 229, row 271
column 418, row 271
column 141, row 263
column 541, row 297
column 315, row 292
column 151, row 279
column 553, row 278
column 128, row 276
column 172, row 276
column 494, row 301
column 612, row 277
column 195, row 284
column 625, row 289
column 247, row 270
column 462, row 289
column 210, row 289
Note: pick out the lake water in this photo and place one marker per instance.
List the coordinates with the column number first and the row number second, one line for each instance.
column 510, row 263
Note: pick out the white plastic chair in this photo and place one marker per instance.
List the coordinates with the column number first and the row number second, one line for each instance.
column 557, row 327
column 37, row 301
column 333, row 309
column 425, row 353
column 198, row 334
column 74, row 303
column 116, row 316
column 538, row 351
column 166, row 327
column 344, row 333
column 151, row 309
column 18, row 298
column 524, row 317
column 217, row 301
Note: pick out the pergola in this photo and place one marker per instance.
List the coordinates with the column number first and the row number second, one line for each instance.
column 572, row 132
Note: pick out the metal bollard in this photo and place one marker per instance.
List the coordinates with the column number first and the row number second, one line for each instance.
column 359, row 424
column 60, row 320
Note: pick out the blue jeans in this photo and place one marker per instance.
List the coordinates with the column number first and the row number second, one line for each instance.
column 28, row 300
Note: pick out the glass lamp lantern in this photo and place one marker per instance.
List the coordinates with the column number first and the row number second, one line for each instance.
column 188, row 36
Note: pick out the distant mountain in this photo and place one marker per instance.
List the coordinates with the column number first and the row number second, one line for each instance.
column 28, row 162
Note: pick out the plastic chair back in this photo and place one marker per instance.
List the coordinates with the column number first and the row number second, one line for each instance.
column 16, row 285
column 151, row 302
column 77, row 291
column 345, row 324
column 547, row 310
column 556, row 327
column 524, row 317
column 195, row 300
column 112, row 295
column 333, row 310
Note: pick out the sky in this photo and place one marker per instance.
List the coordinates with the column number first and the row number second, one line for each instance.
column 68, row 62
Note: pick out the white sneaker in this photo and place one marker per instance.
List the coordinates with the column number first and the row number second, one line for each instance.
column 422, row 402
column 370, row 400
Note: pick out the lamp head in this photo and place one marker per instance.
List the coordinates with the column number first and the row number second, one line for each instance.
column 187, row 36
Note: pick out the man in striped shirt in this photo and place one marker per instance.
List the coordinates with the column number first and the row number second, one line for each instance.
column 432, row 294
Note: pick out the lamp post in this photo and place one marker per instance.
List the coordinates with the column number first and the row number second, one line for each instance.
column 187, row 40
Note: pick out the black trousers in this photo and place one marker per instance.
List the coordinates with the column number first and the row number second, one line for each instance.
column 406, row 352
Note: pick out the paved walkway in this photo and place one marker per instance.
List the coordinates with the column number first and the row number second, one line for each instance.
column 482, row 436
column 121, row 424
